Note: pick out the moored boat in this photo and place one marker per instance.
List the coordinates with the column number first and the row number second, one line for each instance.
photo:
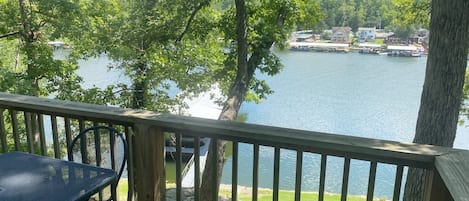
column 366, row 48
column 187, row 147
column 319, row 47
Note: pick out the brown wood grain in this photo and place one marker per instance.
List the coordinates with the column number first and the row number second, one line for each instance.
column 453, row 169
column 148, row 147
column 332, row 144
column 149, row 161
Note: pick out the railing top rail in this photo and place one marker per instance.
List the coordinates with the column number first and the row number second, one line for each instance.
column 354, row 147
column 453, row 168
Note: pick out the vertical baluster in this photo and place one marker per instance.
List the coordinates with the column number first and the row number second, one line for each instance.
column 215, row 168
column 322, row 177
column 97, row 145
column 234, row 173
column 68, row 136
column 83, row 150
column 276, row 173
column 196, row 168
column 371, row 181
column 345, row 179
column 178, row 167
column 113, row 150
column 14, row 122
column 255, row 172
column 97, row 148
column 42, row 135
column 130, row 164
column 3, row 134
column 29, row 132
column 299, row 167
column 398, row 183
column 55, row 136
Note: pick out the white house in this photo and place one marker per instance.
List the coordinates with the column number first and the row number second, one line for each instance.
column 365, row 34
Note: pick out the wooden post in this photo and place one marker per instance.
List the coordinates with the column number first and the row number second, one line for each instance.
column 149, row 153
column 435, row 188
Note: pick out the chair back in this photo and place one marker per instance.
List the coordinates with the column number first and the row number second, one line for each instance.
column 97, row 131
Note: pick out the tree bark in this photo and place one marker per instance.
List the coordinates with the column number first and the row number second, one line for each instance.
column 140, row 84
column 214, row 164
column 27, row 36
column 444, row 80
column 245, row 73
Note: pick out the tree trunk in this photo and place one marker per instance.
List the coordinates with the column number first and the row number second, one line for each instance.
column 245, row 73
column 140, row 86
column 27, row 36
column 444, row 79
column 214, row 164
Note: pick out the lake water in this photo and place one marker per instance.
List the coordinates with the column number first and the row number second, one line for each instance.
column 351, row 94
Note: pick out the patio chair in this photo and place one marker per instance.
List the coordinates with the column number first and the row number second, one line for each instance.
column 113, row 136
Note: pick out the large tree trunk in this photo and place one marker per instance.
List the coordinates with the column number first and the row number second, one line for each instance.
column 214, row 164
column 27, row 36
column 139, row 89
column 245, row 73
column 444, row 79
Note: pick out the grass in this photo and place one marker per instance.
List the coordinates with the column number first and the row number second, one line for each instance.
column 122, row 189
column 378, row 41
column 245, row 194
column 287, row 195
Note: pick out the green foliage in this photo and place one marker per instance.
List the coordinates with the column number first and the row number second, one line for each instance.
column 408, row 16
column 403, row 30
column 464, row 111
column 269, row 22
column 412, row 12
column 157, row 48
column 355, row 13
column 267, row 195
column 28, row 64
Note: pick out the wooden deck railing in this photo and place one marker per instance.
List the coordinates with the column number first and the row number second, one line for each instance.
column 22, row 128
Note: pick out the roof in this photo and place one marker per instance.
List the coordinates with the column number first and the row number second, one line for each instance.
column 384, row 34
column 55, row 43
column 366, row 29
column 303, row 35
column 396, row 47
column 343, row 29
column 368, row 45
column 318, row 44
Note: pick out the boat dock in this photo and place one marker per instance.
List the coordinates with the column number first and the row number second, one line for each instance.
column 367, row 48
column 319, row 47
column 204, row 107
column 404, row 51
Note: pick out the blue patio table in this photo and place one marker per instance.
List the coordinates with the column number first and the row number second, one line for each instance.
column 29, row 177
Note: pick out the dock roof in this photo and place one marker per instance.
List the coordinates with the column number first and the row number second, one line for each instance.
column 396, row 47
column 368, row 45
column 318, row 44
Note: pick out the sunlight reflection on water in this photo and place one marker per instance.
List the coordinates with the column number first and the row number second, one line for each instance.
column 351, row 94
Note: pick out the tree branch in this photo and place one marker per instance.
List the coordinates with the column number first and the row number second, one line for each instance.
column 9, row 34
column 191, row 19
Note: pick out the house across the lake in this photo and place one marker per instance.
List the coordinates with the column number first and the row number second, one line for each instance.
column 365, row 34
column 341, row 34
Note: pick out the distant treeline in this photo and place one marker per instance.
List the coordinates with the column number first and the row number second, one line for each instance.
column 356, row 13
